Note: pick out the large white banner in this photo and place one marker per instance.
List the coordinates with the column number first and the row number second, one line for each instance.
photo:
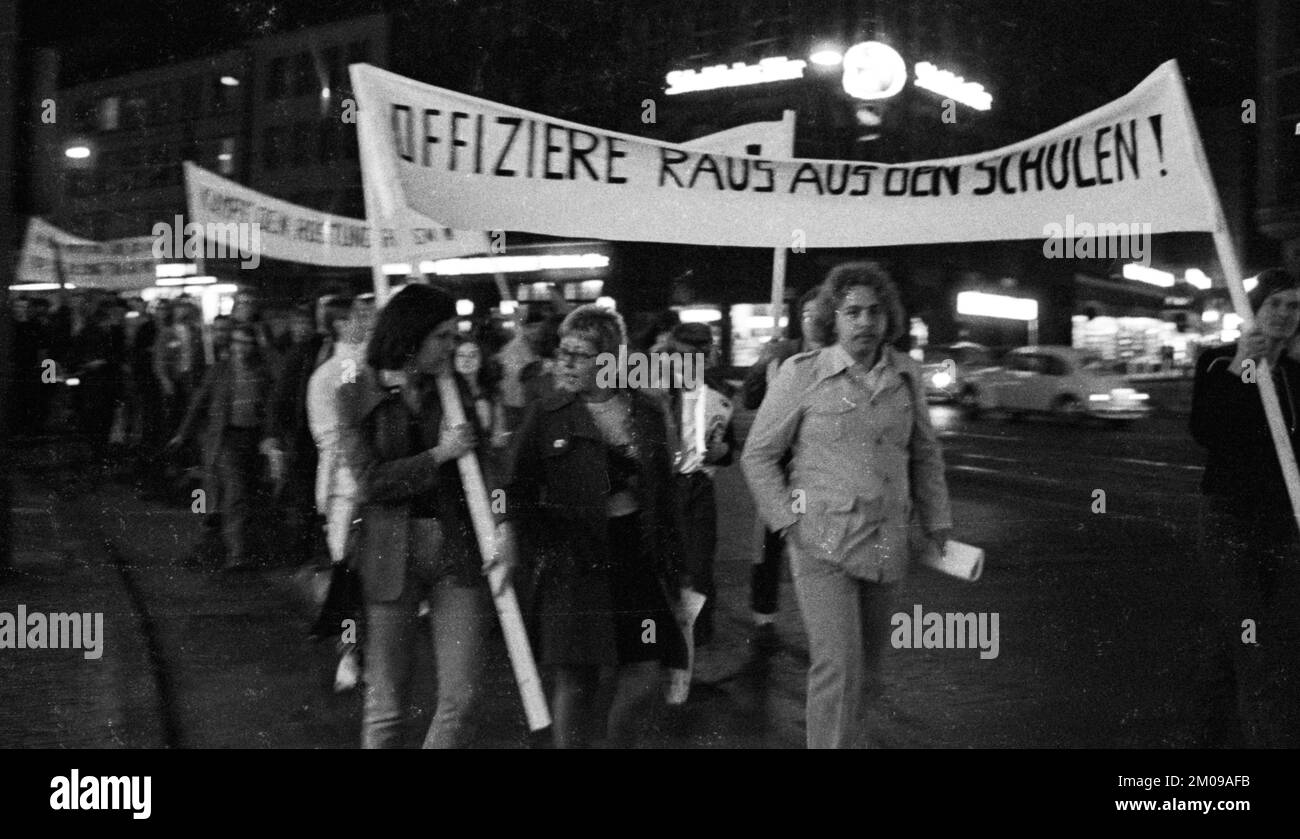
column 479, row 165
column 298, row 234
column 118, row 264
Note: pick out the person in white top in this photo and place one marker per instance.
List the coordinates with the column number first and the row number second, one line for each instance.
column 336, row 486
column 337, row 493
column 701, row 409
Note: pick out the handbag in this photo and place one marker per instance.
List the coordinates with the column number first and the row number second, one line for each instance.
column 343, row 600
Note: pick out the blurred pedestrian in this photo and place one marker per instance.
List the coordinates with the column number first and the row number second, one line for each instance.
column 178, row 360
column 231, row 406
column 483, row 377
column 337, row 493
column 1249, row 546
column 865, row 462
column 590, row 486
column 765, row 576
column 418, row 543
column 97, row 359
column 221, row 327
column 288, row 445
column 28, row 343
column 701, row 409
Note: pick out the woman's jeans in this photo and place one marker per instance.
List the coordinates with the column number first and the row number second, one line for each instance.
column 848, row 623
column 458, row 621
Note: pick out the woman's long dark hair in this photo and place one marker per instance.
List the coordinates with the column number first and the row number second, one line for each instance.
column 403, row 324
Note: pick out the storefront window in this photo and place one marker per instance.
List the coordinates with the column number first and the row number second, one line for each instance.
column 751, row 328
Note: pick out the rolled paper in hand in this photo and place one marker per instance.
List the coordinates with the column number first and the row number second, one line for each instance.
column 965, row 562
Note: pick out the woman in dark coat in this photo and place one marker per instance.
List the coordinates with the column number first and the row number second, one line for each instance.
column 590, row 483
column 1249, row 545
column 417, row 542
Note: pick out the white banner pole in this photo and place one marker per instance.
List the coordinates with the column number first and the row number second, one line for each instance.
column 503, row 593
column 778, row 254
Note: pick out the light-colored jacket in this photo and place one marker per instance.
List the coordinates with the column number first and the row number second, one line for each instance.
column 325, row 417
column 865, row 465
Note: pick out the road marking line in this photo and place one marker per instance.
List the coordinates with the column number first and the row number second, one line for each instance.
column 1158, row 463
column 989, row 457
column 1027, row 478
column 980, row 436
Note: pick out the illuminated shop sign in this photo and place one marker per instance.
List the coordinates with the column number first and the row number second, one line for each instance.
column 739, row 74
column 951, row 86
column 979, row 304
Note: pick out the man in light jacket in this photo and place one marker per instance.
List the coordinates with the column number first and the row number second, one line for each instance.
column 865, row 470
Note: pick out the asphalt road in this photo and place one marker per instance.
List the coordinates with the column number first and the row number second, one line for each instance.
column 1097, row 616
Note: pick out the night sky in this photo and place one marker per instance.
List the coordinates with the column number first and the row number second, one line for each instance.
column 1113, row 42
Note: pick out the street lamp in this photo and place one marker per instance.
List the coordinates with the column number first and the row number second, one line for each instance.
column 77, row 152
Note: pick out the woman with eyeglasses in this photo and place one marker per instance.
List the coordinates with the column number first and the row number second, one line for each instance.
column 589, row 483
column 863, row 463
column 1249, row 546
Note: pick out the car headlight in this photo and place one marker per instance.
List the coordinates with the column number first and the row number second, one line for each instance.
column 1099, row 397
column 941, row 379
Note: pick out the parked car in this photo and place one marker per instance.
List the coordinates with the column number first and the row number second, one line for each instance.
column 946, row 367
column 1067, row 382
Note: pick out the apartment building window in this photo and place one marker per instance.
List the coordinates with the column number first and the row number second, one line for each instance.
column 331, row 145
column 278, row 78
column 275, row 147
column 222, row 97
column 302, row 150
column 305, row 81
column 226, row 156
column 110, row 108
column 135, row 111
column 163, row 105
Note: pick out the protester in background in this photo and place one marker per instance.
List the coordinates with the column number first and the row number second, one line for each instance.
column 517, row 354
column 590, row 485
column 656, row 334
column 527, row 351
column 221, row 328
column 417, row 539
column 538, row 376
column 484, row 381
column 244, row 310
column 178, row 358
column 331, row 396
column 864, row 461
column 28, row 340
column 701, row 412
column 1248, row 540
column 765, row 577
column 96, row 365
column 231, row 406
column 288, row 445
